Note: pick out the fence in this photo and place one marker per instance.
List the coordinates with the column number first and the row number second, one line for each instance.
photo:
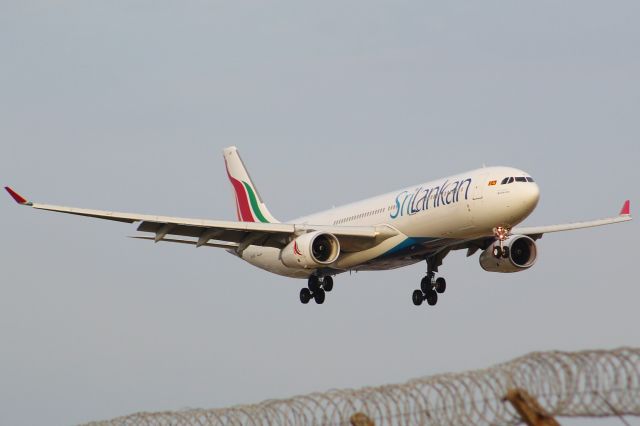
column 594, row 383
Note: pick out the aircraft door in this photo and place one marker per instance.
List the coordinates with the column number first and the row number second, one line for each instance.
column 476, row 202
column 478, row 186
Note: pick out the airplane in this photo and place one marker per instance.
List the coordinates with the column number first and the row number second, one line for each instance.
column 478, row 210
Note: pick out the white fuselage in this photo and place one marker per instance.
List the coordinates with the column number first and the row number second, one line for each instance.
column 460, row 207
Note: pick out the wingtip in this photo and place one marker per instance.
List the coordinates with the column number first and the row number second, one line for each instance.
column 229, row 149
column 626, row 209
column 17, row 197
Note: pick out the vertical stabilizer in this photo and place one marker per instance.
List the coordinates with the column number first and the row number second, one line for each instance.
column 249, row 204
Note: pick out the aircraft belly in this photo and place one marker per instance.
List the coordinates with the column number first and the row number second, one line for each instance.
column 383, row 265
column 268, row 258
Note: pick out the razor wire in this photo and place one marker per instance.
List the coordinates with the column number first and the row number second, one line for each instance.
column 596, row 383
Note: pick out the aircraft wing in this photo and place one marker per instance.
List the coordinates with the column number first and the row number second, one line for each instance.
column 225, row 234
column 536, row 231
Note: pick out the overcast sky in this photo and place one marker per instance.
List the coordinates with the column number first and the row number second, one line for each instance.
column 126, row 106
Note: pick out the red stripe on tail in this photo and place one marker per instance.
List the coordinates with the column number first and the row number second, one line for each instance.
column 244, row 211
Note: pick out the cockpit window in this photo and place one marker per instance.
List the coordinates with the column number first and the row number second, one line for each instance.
column 516, row 179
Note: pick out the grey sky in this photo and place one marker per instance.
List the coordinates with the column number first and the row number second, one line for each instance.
column 126, row 106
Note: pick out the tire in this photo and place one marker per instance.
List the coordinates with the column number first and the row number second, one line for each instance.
column 497, row 252
column 441, row 285
column 319, row 296
column 417, row 297
column 505, row 252
column 314, row 283
column 425, row 285
column 305, row 295
column 432, row 298
column 327, row 283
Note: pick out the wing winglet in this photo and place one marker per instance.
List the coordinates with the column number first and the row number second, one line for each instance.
column 17, row 197
column 626, row 209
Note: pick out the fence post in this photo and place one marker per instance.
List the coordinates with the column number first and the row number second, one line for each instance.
column 528, row 408
column 359, row 419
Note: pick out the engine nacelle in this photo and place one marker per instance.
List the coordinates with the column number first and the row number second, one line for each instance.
column 519, row 253
column 311, row 250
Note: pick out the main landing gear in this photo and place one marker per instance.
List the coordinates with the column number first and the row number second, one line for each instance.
column 429, row 290
column 316, row 289
column 430, row 286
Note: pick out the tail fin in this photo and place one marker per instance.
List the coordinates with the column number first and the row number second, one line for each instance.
column 249, row 204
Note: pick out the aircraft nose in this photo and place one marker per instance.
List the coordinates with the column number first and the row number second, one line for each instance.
column 530, row 196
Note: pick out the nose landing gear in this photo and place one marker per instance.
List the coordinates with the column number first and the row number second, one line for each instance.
column 501, row 233
column 316, row 289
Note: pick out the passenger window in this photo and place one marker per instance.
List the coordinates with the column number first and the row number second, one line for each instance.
column 530, row 179
column 520, row 179
column 505, row 180
column 510, row 180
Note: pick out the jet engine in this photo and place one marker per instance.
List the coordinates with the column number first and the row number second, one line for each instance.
column 311, row 250
column 518, row 253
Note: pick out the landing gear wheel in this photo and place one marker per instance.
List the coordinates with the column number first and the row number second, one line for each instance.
column 441, row 285
column 417, row 297
column 319, row 296
column 497, row 252
column 426, row 284
column 314, row 283
column 327, row 283
column 505, row 252
column 432, row 297
column 305, row 295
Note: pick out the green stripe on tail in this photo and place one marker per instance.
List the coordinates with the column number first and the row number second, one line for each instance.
column 254, row 204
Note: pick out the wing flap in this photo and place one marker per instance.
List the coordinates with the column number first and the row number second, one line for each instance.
column 219, row 244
